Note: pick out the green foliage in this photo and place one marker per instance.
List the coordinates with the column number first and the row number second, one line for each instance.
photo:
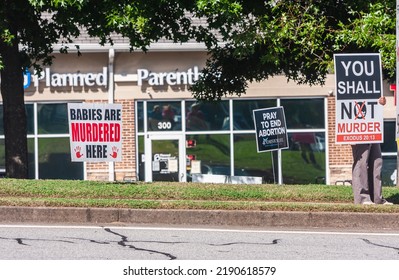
column 296, row 39
column 266, row 38
column 374, row 30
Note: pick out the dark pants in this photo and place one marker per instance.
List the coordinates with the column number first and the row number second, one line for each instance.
column 366, row 173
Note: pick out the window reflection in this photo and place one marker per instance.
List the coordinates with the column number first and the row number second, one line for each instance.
column 55, row 160
column 1, row 120
column 202, row 116
column 388, row 173
column 52, row 118
column 243, row 115
column 389, row 144
column 164, row 116
column 304, row 113
column 140, row 117
column 140, row 159
column 306, row 152
column 2, row 158
column 213, row 151
column 248, row 162
column 29, row 119
column 31, row 158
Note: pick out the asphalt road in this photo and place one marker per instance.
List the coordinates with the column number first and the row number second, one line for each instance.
column 47, row 242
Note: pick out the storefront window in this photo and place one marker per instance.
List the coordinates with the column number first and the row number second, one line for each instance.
column 213, row 151
column 140, row 159
column 202, row 116
column 31, row 158
column 304, row 161
column 248, row 162
column 304, row 113
column 29, row 119
column 52, row 118
column 243, row 112
column 389, row 154
column 389, row 144
column 2, row 158
column 388, row 172
column 55, row 160
column 163, row 116
column 140, row 116
column 1, row 120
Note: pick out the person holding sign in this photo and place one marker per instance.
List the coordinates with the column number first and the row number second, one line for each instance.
column 366, row 172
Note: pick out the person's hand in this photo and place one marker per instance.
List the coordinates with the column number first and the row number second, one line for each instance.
column 382, row 100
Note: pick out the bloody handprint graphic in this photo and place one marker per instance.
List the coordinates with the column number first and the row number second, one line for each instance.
column 77, row 151
column 114, row 152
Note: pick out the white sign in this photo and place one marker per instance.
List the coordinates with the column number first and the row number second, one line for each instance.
column 168, row 78
column 95, row 131
column 359, row 116
column 67, row 79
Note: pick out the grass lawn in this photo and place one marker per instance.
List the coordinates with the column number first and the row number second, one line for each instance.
column 170, row 195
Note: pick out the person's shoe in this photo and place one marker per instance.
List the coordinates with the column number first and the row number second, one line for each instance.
column 387, row 203
column 368, row 203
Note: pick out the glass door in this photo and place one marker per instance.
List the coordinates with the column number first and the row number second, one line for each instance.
column 164, row 158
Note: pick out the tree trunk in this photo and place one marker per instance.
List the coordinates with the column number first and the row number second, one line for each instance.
column 12, row 91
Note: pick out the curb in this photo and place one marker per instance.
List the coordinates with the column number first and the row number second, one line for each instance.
column 218, row 218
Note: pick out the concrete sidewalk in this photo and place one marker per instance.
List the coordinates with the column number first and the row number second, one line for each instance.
column 211, row 218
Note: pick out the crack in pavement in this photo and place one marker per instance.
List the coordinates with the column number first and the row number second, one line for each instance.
column 20, row 240
column 124, row 240
column 275, row 241
column 379, row 245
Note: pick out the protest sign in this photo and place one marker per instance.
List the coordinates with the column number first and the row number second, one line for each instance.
column 359, row 116
column 271, row 129
column 95, row 131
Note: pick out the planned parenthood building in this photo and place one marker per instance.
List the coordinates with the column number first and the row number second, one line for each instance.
column 169, row 136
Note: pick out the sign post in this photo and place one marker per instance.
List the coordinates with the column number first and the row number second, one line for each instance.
column 271, row 131
column 359, row 116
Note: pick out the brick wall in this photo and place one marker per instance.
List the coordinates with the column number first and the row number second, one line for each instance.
column 340, row 155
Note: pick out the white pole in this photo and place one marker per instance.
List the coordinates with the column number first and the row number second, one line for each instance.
column 111, row 55
column 397, row 91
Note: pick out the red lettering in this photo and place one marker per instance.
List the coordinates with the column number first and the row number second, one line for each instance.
column 117, row 132
column 106, row 131
column 359, row 127
column 88, row 133
column 75, row 132
column 96, row 132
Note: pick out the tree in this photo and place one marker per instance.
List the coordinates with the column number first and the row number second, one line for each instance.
column 30, row 28
column 296, row 39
